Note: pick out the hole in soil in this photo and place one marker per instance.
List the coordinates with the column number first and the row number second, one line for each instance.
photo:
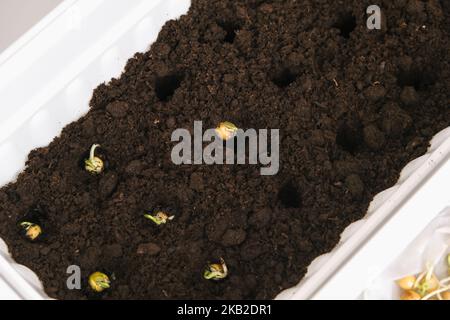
column 36, row 214
column 231, row 29
column 289, row 196
column 349, row 135
column 419, row 79
column 34, row 218
column 346, row 24
column 166, row 86
column 284, row 78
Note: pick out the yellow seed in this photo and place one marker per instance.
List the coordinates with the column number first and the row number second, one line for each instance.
column 162, row 216
column 99, row 282
column 410, row 295
column 445, row 295
column 32, row 231
column 407, row 283
column 226, row 130
column 94, row 165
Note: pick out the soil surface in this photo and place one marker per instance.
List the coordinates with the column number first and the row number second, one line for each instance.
column 353, row 106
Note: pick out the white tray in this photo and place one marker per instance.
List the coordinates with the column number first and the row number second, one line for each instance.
column 47, row 79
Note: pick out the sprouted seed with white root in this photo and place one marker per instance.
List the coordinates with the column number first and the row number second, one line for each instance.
column 426, row 286
column 159, row 218
column 94, row 164
column 216, row 271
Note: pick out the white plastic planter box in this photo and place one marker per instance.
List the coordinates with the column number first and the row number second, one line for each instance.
column 47, row 79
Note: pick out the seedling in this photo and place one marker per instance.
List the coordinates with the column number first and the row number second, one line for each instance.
column 159, row 218
column 226, row 131
column 32, row 230
column 216, row 271
column 425, row 286
column 94, row 164
column 407, row 283
column 99, row 282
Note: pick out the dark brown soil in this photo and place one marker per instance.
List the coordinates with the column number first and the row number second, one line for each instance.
column 353, row 107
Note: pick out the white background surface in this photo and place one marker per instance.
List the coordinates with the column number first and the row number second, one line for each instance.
column 17, row 16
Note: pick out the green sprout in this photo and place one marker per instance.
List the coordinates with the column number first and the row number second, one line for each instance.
column 216, row 271
column 159, row 218
column 94, row 164
column 99, row 282
column 32, row 230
